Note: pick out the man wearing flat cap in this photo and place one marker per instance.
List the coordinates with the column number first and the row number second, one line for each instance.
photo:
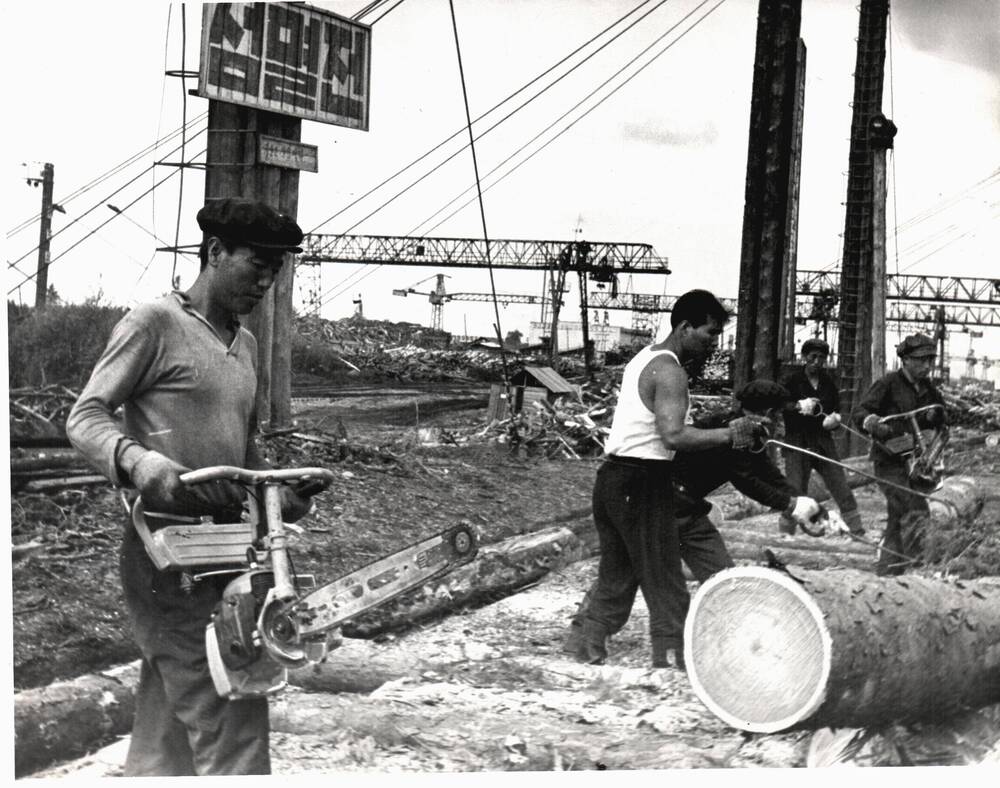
column 810, row 419
column 183, row 369
column 904, row 390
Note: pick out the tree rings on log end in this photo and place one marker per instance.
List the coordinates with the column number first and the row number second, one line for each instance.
column 757, row 648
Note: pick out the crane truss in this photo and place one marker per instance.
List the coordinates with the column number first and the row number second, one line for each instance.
column 911, row 287
column 595, row 257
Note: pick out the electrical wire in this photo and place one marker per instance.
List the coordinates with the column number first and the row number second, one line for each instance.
column 181, row 166
column 500, row 103
column 591, row 109
column 482, row 210
column 109, row 174
column 325, row 298
column 383, row 16
column 101, row 225
column 99, row 203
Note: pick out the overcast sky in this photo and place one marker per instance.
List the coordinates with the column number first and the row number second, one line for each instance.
column 662, row 161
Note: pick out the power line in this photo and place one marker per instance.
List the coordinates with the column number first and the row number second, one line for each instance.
column 324, row 299
column 92, row 232
column 499, row 104
column 579, row 103
column 98, row 204
column 103, row 177
column 380, row 18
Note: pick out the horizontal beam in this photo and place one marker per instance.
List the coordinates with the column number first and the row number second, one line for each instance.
column 595, row 257
column 910, row 287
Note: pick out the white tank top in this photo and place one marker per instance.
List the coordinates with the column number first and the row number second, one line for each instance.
column 633, row 429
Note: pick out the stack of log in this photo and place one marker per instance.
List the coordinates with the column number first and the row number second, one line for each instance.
column 354, row 332
column 49, row 470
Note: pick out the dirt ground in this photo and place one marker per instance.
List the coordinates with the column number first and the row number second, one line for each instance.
column 483, row 690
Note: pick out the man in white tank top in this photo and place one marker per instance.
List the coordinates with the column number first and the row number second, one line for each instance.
column 633, row 498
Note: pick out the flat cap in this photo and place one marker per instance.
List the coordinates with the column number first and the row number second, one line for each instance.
column 916, row 345
column 252, row 223
column 812, row 345
column 763, row 394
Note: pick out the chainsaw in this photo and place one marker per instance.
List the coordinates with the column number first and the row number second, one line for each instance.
column 269, row 618
column 922, row 450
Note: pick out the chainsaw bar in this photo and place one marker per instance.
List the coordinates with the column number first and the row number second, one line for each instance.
column 380, row 581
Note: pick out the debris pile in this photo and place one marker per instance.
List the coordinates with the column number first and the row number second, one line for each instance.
column 39, row 414
column 972, row 406
column 564, row 427
column 352, row 332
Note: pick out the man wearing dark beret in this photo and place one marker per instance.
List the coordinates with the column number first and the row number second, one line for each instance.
column 904, row 390
column 183, row 369
column 810, row 419
column 697, row 474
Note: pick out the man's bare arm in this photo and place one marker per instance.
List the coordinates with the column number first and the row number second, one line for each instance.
column 668, row 384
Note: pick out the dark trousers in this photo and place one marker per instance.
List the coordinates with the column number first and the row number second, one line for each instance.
column 908, row 516
column 182, row 727
column 643, row 542
column 799, row 467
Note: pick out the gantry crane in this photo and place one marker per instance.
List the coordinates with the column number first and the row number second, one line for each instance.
column 437, row 298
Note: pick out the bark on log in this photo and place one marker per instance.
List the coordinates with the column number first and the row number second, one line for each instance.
column 842, row 648
column 497, row 572
column 66, row 719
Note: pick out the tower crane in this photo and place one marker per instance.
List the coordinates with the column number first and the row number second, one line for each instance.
column 437, row 298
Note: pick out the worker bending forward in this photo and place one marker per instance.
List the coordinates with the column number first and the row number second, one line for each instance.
column 904, row 390
column 696, row 474
column 183, row 368
column 633, row 500
column 810, row 420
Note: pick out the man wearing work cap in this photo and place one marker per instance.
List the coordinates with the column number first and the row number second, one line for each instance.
column 904, row 390
column 183, row 369
column 701, row 547
column 810, row 419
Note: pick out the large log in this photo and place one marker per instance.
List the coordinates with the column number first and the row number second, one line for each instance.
column 66, row 719
column 497, row 571
column 841, row 648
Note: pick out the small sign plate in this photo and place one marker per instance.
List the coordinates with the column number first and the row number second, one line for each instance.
column 289, row 154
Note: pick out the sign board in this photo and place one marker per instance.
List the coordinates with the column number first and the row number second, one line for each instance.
column 289, row 154
column 288, row 58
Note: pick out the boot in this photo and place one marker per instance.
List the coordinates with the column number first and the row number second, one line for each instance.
column 853, row 522
column 573, row 639
column 593, row 649
column 665, row 656
column 786, row 525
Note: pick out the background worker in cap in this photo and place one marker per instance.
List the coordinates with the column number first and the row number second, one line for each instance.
column 898, row 392
column 183, row 368
column 810, row 419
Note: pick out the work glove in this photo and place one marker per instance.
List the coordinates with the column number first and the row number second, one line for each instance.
column 157, row 478
column 296, row 499
column 875, row 427
column 932, row 418
column 747, row 432
column 810, row 406
column 802, row 509
column 831, row 422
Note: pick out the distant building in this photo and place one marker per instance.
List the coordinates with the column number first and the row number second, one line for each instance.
column 604, row 336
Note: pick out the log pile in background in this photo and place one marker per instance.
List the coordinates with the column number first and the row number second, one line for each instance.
column 39, row 413
column 972, row 406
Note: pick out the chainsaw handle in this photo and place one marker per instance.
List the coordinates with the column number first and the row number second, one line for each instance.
column 263, row 476
column 909, row 413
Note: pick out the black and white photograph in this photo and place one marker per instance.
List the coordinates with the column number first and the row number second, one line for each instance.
column 434, row 389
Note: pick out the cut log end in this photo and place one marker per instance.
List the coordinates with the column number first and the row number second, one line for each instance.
column 757, row 648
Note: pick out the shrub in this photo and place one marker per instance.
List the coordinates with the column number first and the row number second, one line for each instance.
column 60, row 344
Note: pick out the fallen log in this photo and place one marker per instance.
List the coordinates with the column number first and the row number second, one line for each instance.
column 68, row 718
column 498, row 570
column 841, row 648
column 61, row 483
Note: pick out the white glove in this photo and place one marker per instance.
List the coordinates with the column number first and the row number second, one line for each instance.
column 804, row 509
column 810, row 406
column 831, row 422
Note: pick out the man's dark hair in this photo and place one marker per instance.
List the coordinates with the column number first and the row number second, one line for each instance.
column 697, row 307
column 229, row 246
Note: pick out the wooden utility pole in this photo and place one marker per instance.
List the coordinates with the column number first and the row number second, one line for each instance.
column 44, row 235
column 768, row 220
column 233, row 170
